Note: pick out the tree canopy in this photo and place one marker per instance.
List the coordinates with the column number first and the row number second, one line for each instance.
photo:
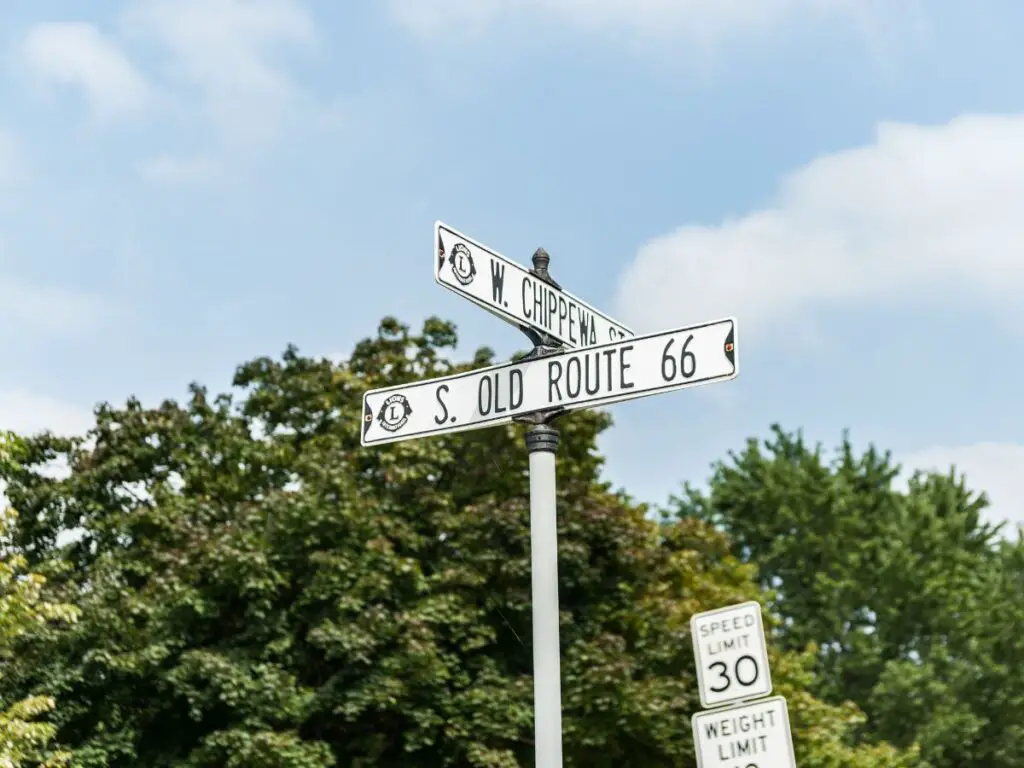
column 912, row 604
column 23, row 610
column 258, row 590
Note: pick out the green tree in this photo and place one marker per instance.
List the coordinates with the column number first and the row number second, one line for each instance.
column 962, row 696
column 24, row 739
column 906, row 598
column 258, row 590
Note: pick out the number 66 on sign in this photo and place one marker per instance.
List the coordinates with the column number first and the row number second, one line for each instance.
column 731, row 654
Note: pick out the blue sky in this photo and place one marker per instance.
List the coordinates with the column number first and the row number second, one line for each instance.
column 185, row 184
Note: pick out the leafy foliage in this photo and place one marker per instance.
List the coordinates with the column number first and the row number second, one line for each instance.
column 909, row 602
column 258, row 590
column 23, row 737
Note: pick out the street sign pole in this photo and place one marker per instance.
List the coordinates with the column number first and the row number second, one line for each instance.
column 542, row 445
column 581, row 358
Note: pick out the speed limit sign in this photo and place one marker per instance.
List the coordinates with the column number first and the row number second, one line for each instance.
column 731, row 654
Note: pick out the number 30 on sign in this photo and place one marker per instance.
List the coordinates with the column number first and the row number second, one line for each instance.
column 731, row 654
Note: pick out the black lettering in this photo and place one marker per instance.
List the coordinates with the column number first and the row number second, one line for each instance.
column 753, row 673
column 526, row 305
column 573, row 310
column 592, row 381
column 624, row 366
column 515, row 388
column 444, row 408
column 553, row 380
column 484, row 406
column 608, row 355
column 723, row 673
column 563, row 313
column 552, row 308
column 569, row 376
column 497, row 395
column 538, row 304
column 584, row 326
column 497, row 280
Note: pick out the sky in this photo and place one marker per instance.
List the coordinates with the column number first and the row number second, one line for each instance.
column 188, row 184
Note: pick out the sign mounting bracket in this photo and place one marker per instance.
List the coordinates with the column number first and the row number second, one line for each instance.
column 543, row 344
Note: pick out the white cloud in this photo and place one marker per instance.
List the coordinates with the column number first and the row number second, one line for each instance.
column 220, row 64
column 27, row 413
column 227, row 50
column 702, row 20
column 77, row 54
column 921, row 212
column 995, row 468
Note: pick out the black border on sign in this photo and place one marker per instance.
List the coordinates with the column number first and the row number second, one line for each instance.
column 595, row 403
column 367, row 418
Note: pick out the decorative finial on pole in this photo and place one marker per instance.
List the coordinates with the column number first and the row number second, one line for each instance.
column 541, row 260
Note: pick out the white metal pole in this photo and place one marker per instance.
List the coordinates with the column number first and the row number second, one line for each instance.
column 542, row 443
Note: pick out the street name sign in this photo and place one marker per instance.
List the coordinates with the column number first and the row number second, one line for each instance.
column 517, row 295
column 731, row 654
column 753, row 735
column 583, row 378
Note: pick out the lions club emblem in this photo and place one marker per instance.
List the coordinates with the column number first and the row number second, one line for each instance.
column 394, row 413
column 462, row 264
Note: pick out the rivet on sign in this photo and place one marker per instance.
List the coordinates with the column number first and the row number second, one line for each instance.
column 368, row 418
column 728, row 347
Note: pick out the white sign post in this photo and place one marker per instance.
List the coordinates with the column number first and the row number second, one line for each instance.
column 604, row 364
column 731, row 653
column 542, row 444
column 753, row 735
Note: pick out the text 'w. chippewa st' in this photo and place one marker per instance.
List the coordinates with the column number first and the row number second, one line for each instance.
column 517, row 295
column 582, row 378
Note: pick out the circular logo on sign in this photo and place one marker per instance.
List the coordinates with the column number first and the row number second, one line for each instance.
column 394, row 413
column 462, row 264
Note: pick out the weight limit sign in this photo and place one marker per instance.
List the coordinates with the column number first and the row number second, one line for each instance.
column 731, row 654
